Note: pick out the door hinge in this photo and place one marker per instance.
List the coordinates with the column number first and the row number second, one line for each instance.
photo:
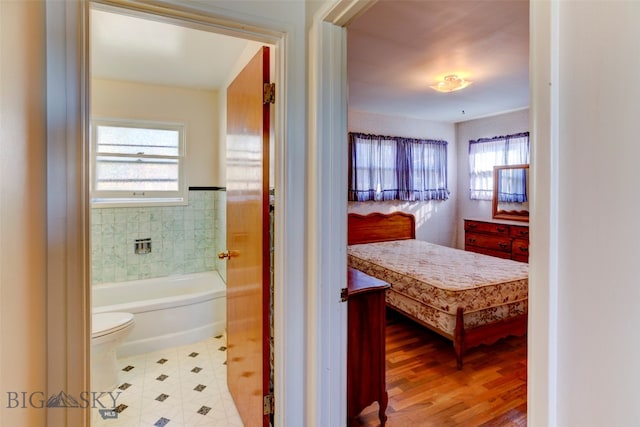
column 269, row 95
column 344, row 294
column 268, row 404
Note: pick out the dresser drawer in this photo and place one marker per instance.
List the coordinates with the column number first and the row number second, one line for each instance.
column 492, row 242
column 486, row 227
column 497, row 239
column 518, row 231
column 520, row 249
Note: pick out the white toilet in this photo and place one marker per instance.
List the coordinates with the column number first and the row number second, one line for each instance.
column 107, row 332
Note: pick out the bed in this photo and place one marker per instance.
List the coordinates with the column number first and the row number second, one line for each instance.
column 469, row 298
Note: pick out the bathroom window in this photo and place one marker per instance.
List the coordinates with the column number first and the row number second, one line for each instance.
column 137, row 163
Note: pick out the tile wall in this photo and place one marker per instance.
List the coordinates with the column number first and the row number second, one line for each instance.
column 184, row 239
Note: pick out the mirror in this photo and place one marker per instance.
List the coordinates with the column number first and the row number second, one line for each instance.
column 511, row 192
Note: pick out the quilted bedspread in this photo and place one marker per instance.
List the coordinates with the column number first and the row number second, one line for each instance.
column 441, row 277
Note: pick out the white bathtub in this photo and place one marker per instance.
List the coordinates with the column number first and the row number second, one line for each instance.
column 168, row 311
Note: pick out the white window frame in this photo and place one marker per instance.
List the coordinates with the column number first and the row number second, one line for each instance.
column 481, row 179
column 139, row 198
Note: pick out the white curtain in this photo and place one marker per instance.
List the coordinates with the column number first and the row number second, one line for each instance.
column 395, row 168
column 486, row 153
column 427, row 179
column 373, row 162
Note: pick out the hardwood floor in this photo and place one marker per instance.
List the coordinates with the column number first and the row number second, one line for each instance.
column 426, row 389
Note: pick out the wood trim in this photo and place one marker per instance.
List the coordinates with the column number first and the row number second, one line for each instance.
column 68, row 276
column 380, row 227
column 544, row 282
column 211, row 19
column 326, row 227
column 345, row 11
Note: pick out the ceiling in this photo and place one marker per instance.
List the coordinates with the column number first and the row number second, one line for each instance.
column 397, row 49
column 146, row 51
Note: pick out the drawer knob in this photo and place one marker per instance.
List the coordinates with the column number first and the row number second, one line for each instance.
column 524, row 248
column 472, row 240
column 473, row 225
column 503, row 245
column 524, row 233
column 501, row 229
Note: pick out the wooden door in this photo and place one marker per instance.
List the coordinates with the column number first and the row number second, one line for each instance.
column 248, row 267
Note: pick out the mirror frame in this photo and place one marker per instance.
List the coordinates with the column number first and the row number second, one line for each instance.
column 502, row 214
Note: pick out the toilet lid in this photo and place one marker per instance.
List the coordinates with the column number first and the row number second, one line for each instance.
column 106, row 323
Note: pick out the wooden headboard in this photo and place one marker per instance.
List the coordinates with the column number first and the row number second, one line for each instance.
column 379, row 227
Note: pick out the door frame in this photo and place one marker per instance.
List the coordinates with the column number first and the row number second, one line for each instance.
column 327, row 258
column 69, row 284
column 301, row 386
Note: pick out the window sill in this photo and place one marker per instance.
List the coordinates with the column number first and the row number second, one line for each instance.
column 136, row 203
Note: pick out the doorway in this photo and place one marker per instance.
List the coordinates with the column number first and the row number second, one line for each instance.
column 328, row 50
column 149, row 74
column 392, row 93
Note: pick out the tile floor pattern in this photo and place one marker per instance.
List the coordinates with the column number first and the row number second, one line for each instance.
column 177, row 387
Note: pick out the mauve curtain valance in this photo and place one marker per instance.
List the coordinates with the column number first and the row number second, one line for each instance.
column 396, row 168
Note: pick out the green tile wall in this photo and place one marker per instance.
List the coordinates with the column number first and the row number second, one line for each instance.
column 184, row 239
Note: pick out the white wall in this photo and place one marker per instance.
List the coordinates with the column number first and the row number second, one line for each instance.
column 596, row 246
column 23, row 233
column 598, row 233
column 503, row 124
column 435, row 220
column 196, row 109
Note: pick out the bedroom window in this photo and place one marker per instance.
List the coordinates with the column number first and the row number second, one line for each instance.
column 394, row 168
column 485, row 153
column 137, row 163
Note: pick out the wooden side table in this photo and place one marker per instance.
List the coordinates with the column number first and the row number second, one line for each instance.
column 366, row 344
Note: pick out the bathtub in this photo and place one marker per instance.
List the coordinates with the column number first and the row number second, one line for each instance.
column 168, row 311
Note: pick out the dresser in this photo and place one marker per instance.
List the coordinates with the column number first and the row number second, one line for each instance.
column 366, row 316
column 499, row 239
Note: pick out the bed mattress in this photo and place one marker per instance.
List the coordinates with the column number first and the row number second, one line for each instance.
column 429, row 282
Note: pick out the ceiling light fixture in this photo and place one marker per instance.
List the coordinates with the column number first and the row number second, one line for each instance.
column 451, row 83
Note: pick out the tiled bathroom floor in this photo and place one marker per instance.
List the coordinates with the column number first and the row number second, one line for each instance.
column 177, row 387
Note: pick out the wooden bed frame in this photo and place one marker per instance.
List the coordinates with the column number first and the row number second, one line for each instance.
column 379, row 227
